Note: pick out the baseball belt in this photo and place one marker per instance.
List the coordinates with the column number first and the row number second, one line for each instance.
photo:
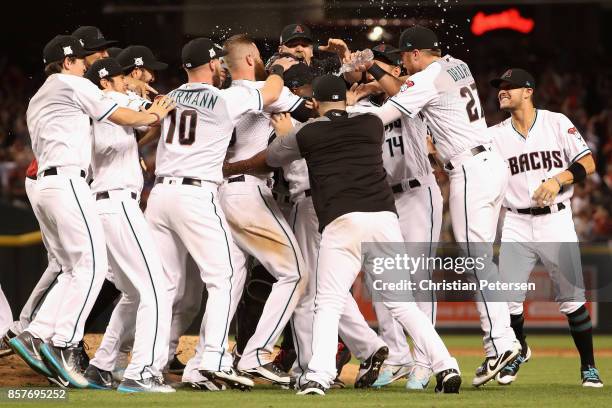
column 537, row 210
column 474, row 150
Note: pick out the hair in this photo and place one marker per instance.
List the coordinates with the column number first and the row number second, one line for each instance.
column 432, row 52
column 233, row 46
column 56, row 67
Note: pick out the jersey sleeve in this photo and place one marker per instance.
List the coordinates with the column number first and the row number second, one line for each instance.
column 240, row 100
column 284, row 150
column 286, row 102
column 574, row 146
column 414, row 95
column 93, row 101
column 388, row 112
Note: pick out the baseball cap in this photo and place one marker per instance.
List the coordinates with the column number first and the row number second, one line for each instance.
column 62, row 46
column 103, row 68
column 418, row 38
column 200, row 51
column 136, row 56
column 386, row 53
column 293, row 31
column 515, row 76
column 329, row 88
column 113, row 52
column 92, row 38
column 297, row 75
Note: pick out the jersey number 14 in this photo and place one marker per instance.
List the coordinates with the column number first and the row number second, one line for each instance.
column 186, row 134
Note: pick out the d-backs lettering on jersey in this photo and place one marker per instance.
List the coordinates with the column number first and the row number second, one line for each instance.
column 195, row 136
column 445, row 92
column 253, row 130
column 115, row 162
column 58, row 118
column 552, row 144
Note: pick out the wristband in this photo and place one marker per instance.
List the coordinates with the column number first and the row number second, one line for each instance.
column 377, row 72
column 277, row 70
column 578, row 171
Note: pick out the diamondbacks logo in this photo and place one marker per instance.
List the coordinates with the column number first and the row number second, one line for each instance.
column 507, row 74
column 67, row 50
column 406, row 85
column 81, row 41
column 103, row 73
column 572, row 131
column 212, row 53
column 382, row 47
column 138, row 61
column 298, row 29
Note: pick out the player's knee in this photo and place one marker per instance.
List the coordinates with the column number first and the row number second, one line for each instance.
column 569, row 307
column 515, row 308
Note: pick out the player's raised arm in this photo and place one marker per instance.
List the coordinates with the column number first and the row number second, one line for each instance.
column 274, row 84
column 158, row 110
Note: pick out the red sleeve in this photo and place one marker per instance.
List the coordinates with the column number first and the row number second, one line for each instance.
column 32, row 169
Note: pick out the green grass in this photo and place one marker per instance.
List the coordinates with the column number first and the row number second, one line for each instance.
column 543, row 382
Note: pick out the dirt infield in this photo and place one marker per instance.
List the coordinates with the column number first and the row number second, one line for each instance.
column 14, row 372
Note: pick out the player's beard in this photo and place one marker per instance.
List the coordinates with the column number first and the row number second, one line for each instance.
column 260, row 71
column 216, row 78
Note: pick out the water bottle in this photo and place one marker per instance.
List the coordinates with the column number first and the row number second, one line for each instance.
column 361, row 58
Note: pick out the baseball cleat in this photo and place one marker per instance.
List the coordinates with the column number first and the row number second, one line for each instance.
column 311, row 388
column 5, row 348
column 493, row 365
column 370, row 368
column 98, row 379
column 84, row 360
column 204, row 385
column 151, row 384
column 337, row 384
column 448, row 381
column 509, row 373
column 590, row 377
column 390, row 373
column 27, row 347
column 65, row 362
column 343, row 356
column 176, row 367
column 270, row 372
column 230, row 378
column 418, row 379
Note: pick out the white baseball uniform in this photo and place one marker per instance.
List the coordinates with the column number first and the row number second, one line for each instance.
column 136, row 268
column 553, row 143
column 183, row 209
column 58, row 119
column 419, row 203
column 262, row 231
column 446, row 95
column 6, row 316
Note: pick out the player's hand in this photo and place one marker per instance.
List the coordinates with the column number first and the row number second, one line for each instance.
column 361, row 67
column 546, row 193
column 338, row 47
column 161, row 106
column 139, row 87
column 285, row 62
column 282, row 124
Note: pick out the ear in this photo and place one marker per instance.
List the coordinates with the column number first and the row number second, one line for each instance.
column 250, row 60
column 66, row 63
column 396, row 71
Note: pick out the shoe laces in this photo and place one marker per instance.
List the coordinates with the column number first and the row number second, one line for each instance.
column 591, row 373
column 514, row 365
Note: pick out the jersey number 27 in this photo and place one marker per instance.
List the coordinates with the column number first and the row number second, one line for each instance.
column 186, row 135
column 473, row 103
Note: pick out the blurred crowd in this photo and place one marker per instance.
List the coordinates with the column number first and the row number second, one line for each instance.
column 585, row 97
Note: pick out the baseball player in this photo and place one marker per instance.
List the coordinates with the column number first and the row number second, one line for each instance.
column 92, row 39
column 419, row 205
column 183, row 208
column 58, row 118
column 6, row 318
column 145, row 303
column 297, row 40
column 546, row 156
column 337, row 179
column 444, row 91
column 140, row 65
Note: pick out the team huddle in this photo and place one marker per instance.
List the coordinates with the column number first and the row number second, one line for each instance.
column 274, row 175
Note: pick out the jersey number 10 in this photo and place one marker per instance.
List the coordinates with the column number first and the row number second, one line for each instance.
column 186, row 136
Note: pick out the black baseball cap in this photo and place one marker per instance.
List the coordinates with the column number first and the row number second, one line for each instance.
column 329, row 88
column 294, row 31
column 103, row 68
column 418, row 38
column 386, row 53
column 92, row 38
column 137, row 56
column 516, row 77
column 297, row 75
column 113, row 52
column 200, row 51
column 62, row 46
